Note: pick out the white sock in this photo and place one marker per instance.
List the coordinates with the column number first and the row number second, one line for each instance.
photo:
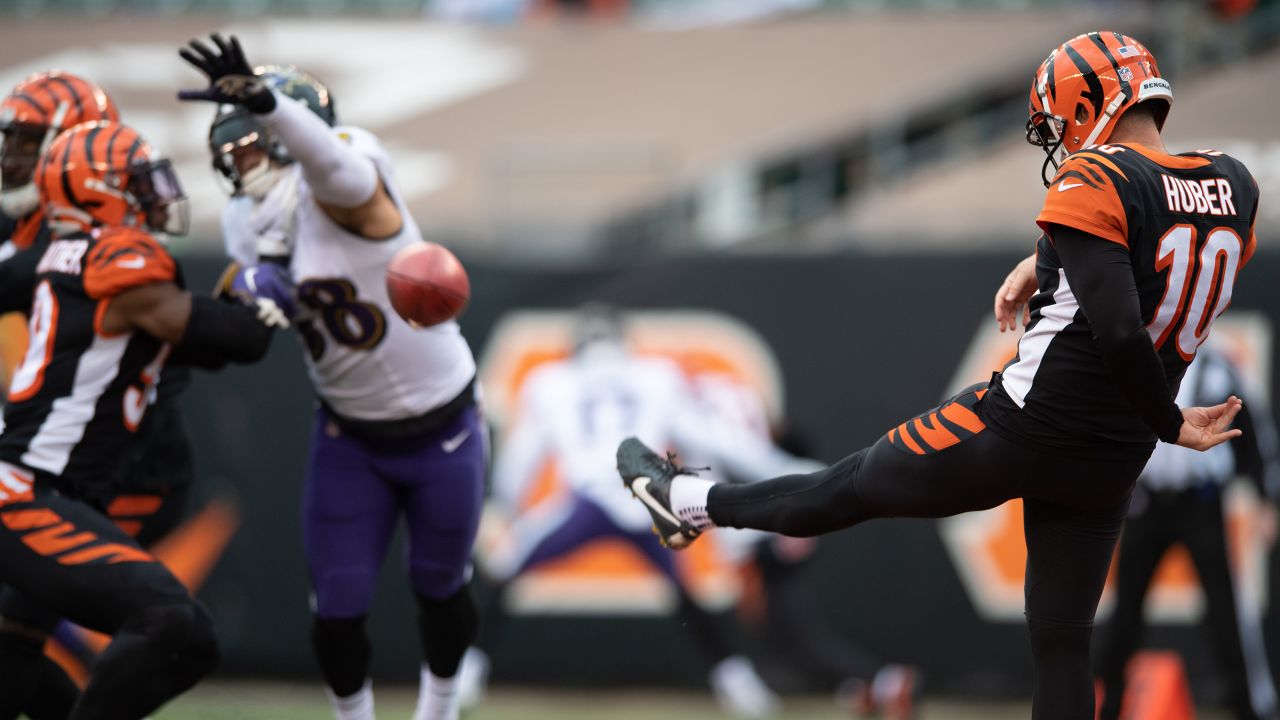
column 473, row 675
column 437, row 697
column 740, row 691
column 358, row 706
column 689, row 500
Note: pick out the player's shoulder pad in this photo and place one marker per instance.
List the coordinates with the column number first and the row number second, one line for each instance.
column 124, row 258
column 1085, row 194
column 1231, row 165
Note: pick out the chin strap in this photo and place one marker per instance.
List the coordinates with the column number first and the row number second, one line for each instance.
column 1103, row 121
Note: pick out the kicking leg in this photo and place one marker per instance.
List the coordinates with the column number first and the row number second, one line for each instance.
column 941, row 463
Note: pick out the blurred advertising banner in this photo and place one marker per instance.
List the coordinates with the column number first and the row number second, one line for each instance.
column 840, row 347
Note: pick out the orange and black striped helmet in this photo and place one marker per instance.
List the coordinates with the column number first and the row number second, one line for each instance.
column 31, row 116
column 103, row 174
column 1084, row 86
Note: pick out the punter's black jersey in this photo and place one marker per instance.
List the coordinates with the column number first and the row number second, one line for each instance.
column 1187, row 221
column 80, row 393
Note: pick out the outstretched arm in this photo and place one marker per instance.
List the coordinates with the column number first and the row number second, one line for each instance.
column 344, row 182
column 205, row 332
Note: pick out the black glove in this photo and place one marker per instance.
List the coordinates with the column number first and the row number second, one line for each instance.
column 231, row 78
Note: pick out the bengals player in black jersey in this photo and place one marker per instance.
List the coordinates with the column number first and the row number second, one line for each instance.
column 107, row 312
column 1140, row 253
column 150, row 498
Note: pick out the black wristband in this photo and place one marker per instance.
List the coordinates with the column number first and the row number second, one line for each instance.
column 219, row 332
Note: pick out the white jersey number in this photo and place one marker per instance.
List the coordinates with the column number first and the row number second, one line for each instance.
column 43, row 326
column 1215, row 276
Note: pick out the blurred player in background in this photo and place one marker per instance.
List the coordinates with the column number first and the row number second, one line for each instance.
column 1140, row 254
column 734, row 417
column 576, row 411
column 1179, row 500
column 151, row 495
column 108, row 310
column 397, row 431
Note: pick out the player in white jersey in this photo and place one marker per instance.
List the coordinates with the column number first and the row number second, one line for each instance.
column 736, row 423
column 315, row 219
column 576, row 411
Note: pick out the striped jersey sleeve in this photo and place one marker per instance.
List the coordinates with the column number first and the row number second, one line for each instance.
column 1083, row 195
column 124, row 258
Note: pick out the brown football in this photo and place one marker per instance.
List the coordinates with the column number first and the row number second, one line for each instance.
column 427, row 284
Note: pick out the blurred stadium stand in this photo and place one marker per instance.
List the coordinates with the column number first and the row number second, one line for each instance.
column 569, row 141
column 670, row 126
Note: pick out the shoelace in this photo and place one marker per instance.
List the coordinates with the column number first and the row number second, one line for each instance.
column 679, row 470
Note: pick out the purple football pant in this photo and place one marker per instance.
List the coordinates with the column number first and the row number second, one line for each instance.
column 356, row 491
column 585, row 521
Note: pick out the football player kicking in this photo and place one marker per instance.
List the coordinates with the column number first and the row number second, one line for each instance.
column 397, row 431
column 1140, row 254
column 151, row 496
column 108, row 310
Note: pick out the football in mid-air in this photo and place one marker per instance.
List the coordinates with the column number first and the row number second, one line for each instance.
column 427, row 284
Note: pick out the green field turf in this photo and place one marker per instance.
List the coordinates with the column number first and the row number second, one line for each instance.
column 258, row 701
column 274, row 701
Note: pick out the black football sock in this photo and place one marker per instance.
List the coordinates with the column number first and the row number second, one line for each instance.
column 342, row 649
column 447, row 628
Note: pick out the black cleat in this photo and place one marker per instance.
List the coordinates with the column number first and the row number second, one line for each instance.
column 648, row 476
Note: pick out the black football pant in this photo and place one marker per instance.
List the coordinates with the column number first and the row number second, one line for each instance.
column 69, row 559
column 1193, row 518
column 1073, row 510
column 148, row 506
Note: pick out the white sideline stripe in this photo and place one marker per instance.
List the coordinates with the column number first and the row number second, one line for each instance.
column 1019, row 377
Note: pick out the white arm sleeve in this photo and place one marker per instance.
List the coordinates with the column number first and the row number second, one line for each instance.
column 337, row 174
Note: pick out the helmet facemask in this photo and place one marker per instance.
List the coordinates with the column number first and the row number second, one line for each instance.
column 20, row 151
column 1044, row 130
column 245, row 154
column 156, row 191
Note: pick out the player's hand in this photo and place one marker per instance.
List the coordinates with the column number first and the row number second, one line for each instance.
column 268, row 289
column 1012, row 297
column 231, row 77
column 1205, row 427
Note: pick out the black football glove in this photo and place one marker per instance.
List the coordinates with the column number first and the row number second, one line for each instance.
column 231, row 78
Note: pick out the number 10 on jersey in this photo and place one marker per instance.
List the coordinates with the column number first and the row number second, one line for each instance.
column 1185, row 300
